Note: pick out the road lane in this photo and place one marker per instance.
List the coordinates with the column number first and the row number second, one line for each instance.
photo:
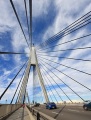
column 66, row 113
column 71, row 114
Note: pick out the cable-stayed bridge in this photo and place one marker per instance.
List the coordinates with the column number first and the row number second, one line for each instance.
column 53, row 80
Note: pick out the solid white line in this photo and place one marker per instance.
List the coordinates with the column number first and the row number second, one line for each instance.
column 55, row 112
column 73, row 110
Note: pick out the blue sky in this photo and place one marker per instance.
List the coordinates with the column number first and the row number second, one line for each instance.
column 49, row 17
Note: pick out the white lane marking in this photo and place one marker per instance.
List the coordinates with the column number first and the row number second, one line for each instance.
column 55, row 112
column 73, row 110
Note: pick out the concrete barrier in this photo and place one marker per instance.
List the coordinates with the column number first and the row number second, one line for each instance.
column 6, row 109
column 39, row 115
column 71, row 104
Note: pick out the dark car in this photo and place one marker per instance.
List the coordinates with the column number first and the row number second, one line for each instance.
column 45, row 103
column 87, row 106
column 36, row 104
column 51, row 105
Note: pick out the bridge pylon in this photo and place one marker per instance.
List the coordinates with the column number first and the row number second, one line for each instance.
column 33, row 61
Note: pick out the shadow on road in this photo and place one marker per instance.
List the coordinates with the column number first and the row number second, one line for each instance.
column 60, row 111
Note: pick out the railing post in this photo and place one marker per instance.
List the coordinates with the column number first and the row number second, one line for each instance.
column 38, row 116
column 32, row 112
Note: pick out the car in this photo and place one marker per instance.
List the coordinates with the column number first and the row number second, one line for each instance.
column 51, row 105
column 87, row 106
column 87, row 101
column 36, row 104
column 45, row 103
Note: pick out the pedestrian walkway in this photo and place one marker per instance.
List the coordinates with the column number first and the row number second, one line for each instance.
column 20, row 114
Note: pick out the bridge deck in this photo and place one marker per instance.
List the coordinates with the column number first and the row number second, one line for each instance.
column 68, row 112
column 20, row 114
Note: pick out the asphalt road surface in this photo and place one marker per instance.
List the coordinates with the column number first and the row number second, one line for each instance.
column 64, row 112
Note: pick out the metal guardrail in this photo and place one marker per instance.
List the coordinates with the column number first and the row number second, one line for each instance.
column 39, row 115
column 7, row 109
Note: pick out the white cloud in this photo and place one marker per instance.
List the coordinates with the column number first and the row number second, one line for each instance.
column 40, row 7
column 10, row 23
column 63, row 19
column 1, row 47
column 67, row 12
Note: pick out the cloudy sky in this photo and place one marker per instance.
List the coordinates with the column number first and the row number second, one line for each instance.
column 49, row 18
